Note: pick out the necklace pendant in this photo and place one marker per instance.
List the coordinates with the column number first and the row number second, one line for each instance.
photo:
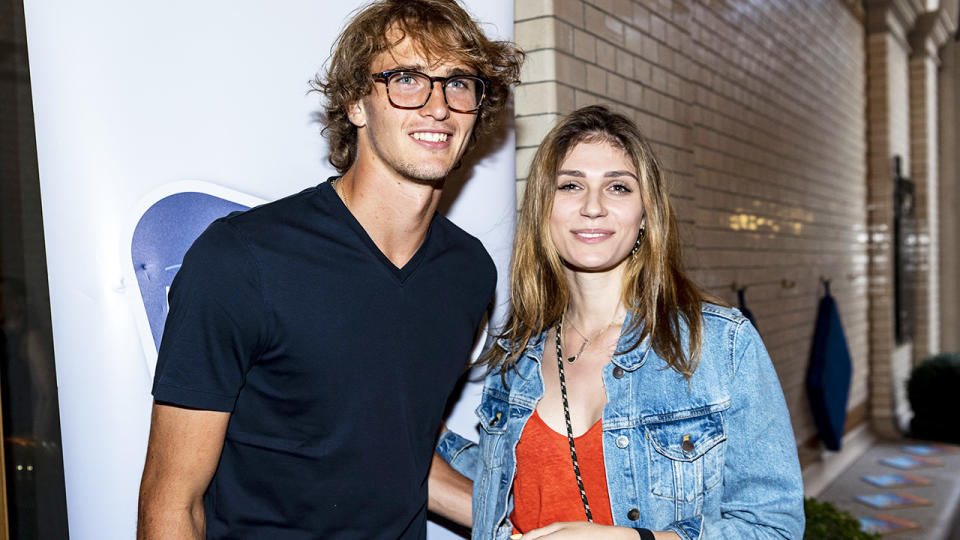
column 572, row 359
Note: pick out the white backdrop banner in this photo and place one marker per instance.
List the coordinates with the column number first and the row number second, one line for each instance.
column 152, row 119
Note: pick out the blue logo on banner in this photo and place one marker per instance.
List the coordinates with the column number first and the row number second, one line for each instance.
column 161, row 238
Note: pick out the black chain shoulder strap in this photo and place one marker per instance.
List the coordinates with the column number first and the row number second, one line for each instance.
column 566, row 415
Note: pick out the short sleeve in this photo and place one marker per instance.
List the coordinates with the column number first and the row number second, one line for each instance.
column 215, row 327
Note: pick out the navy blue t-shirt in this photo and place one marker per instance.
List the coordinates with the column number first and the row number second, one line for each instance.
column 335, row 364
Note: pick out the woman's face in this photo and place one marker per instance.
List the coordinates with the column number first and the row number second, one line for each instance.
column 597, row 208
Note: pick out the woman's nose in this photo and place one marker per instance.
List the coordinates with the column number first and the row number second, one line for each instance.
column 592, row 204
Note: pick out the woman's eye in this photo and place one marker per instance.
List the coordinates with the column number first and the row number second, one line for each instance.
column 569, row 186
column 621, row 188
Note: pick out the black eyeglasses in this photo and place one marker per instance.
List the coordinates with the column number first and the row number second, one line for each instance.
column 412, row 89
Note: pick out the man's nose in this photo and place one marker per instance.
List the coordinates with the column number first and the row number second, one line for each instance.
column 436, row 106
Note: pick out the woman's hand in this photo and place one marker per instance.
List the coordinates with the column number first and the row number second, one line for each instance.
column 581, row 530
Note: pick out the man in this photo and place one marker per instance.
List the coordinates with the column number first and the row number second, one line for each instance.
column 312, row 342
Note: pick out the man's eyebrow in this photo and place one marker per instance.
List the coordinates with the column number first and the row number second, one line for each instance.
column 406, row 68
column 460, row 71
column 452, row 72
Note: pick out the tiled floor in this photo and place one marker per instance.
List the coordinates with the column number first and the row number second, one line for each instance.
column 938, row 521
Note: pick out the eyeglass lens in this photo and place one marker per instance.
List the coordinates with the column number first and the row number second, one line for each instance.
column 410, row 89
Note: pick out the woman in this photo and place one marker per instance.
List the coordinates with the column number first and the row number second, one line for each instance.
column 619, row 403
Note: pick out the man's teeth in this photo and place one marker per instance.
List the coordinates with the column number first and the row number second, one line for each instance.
column 430, row 137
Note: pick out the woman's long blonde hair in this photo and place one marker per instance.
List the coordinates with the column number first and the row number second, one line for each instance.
column 655, row 287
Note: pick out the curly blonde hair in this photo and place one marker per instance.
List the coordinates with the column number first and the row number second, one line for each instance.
column 437, row 29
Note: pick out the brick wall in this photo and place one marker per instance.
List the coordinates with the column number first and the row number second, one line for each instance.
column 903, row 49
column 888, row 136
column 781, row 193
column 924, row 150
column 757, row 110
column 949, row 198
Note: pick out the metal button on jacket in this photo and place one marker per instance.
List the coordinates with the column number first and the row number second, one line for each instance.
column 617, row 372
column 622, row 441
column 687, row 445
column 633, row 514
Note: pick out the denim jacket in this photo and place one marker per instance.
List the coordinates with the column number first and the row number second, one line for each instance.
column 740, row 478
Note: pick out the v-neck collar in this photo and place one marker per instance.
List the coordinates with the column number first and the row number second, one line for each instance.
column 341, row 211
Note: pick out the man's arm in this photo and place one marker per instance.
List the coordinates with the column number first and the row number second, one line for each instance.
column 182, row 456
column 450, row 493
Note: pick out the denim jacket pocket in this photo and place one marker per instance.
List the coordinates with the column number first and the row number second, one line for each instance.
column 493, row 413
column 685, row 454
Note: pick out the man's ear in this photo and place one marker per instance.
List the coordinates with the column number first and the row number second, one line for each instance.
column 356, row 113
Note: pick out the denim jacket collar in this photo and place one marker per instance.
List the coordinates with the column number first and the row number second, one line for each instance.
column 630, row 360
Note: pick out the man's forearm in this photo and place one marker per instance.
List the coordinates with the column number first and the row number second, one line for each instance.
column 156, row 523
column 182, row 456
column 450, row 493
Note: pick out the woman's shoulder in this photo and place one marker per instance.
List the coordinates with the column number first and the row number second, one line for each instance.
column 727, row 333
column 720, row 320
column 525, row 355
column 721, row 313
column 510, row 346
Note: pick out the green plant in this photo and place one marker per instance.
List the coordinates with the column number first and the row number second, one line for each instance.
column 933, row 397
column 827, row 522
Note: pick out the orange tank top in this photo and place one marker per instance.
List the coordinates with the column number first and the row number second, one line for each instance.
column 545, row 487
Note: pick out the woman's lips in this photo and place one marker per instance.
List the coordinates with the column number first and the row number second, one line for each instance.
column 592, row 236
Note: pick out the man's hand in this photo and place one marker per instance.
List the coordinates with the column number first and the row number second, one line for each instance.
column 450, row 493
column 582, row 530
column 182, row 456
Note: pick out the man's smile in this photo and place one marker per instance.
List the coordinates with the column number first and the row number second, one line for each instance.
column 430, row 136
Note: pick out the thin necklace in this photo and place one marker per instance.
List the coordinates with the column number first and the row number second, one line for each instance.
column 340, row 190
column 566, row 416
column 583, row 345
column 587, row 340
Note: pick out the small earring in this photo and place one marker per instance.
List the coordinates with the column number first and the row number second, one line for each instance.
column 636, row 246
